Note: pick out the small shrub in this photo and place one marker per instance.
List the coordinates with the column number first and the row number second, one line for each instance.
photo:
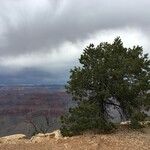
column 135, row 120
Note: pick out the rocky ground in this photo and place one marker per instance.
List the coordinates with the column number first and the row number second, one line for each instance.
column 120, row 140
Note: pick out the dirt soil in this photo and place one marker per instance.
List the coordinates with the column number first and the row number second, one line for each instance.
column 121, row 140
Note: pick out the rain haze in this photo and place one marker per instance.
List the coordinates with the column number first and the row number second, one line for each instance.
column 41, row 40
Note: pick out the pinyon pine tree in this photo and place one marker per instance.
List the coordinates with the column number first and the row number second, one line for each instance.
column 109, row 75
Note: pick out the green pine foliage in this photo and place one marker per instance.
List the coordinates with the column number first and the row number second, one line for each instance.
column 107, row 72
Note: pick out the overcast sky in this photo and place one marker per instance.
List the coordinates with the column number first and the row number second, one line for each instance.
column 40, row 40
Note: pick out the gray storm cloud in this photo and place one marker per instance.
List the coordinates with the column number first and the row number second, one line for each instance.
column 42, row 25
column 49, row 35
